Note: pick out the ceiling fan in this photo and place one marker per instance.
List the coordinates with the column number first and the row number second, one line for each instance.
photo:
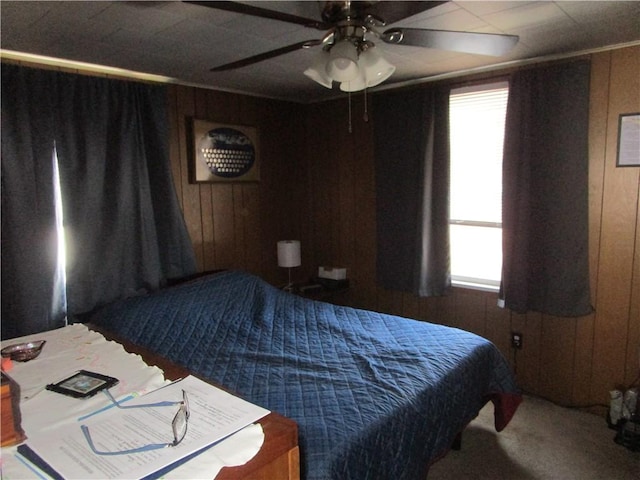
column 348, row 56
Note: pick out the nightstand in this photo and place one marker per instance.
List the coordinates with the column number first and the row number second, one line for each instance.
column 320, row 289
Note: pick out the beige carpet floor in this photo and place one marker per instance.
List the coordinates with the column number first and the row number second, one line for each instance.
column 543, row 441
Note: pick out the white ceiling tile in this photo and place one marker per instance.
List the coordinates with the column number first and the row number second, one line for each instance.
column 69, row 13
column 443, row 9
column 191, row 31
column 13, row 15
column 600, row 10
column 261, row 27
column 545, row 41
column 87, row 52
column 137, row 15
column 458, row 19
column 482, row 8
column 305, row 9
column 527, row 15
column 183, row 11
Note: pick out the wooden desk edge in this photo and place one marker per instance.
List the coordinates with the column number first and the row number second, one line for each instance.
column 279, row 456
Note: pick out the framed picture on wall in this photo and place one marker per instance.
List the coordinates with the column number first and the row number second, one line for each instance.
column 223, row 153
column 629, row 140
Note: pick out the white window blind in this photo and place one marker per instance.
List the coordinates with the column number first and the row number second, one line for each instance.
column 477, row 118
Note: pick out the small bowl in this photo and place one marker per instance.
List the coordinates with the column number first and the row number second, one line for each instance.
column 23, row 352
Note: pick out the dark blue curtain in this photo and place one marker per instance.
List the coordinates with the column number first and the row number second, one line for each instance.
column 28, row 236
column 412, row 191
column 124, row 228
column 545, row 191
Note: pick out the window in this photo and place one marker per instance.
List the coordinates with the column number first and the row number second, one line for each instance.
column 59, row 302
column 477, row 118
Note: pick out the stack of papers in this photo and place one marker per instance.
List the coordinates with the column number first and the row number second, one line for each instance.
column 214, row 415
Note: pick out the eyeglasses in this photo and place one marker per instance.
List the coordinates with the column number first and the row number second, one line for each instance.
column 178, row 424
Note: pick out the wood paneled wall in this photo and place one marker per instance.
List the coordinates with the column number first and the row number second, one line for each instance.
column 614, row 227
column 237, row 225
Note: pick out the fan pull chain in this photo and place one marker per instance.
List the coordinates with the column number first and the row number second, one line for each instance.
column 350, row 129
column 365, row 117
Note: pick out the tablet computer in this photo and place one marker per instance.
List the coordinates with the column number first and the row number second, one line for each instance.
column 83, row 384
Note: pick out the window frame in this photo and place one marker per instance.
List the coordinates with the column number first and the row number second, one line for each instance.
column 483, row 284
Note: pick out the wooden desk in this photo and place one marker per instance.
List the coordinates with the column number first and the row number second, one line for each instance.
column 279, row 457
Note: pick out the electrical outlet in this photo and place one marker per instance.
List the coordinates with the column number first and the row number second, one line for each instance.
column 516, row 340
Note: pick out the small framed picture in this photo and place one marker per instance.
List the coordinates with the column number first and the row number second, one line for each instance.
column 629, row 140
column 223, row 153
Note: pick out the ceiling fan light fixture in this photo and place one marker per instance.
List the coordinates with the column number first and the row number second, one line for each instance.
column 376, row 68
column 318, row 72
column 343, row 61
column 355, row 85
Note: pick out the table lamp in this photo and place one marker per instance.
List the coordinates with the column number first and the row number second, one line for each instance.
column 288, row 257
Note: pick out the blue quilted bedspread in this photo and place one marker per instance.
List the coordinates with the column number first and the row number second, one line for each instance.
column 375, row 396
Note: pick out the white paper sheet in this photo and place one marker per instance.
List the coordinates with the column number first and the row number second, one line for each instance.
column 214, row 415
column 236, row 450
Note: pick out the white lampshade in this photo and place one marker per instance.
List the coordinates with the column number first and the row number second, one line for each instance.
column 318, row 70
column 376, row 68
column 343, row 61
column 289, row 253
column 354, row 85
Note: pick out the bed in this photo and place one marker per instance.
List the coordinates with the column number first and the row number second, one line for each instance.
column 375, row 396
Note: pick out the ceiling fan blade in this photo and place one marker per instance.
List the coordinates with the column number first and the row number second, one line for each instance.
column 466, row 42
column 266, row 55
column 247, row 9
column 394, row 11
